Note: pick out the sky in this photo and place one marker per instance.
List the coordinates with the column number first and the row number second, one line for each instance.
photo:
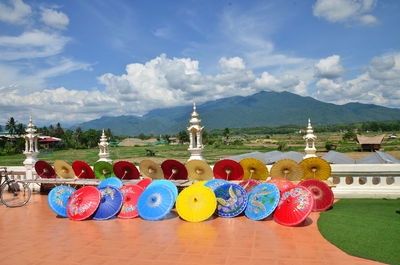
column 76, row 60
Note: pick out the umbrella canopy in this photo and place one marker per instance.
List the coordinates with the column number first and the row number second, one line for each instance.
column 294, row 206
column 83, row 203
column 112, row 181
column 316, row 168
column 155, row 202
column 150, row 169
column 130, row 195
column 45, row 170
column 214, row 183
column 323, row 195
column 144, row 183
column 232, row 200
column 125, row 170
column 249, row 184
column 228, row 170
column 263, row 200
column 200, row 183
column 254, row 169
column 288, row 169
column 282, row 184
column 199, row 170
column 103, row 170
column 110, row 203
column 174, row 169
column 58, row 199
column 82, row 170
column 63, row 170
column 196, row 203
column 168, row 183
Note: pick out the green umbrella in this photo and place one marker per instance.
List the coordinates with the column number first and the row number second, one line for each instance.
column 103, row 170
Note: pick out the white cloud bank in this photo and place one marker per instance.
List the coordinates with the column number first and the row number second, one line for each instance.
column 15, row 12
column 54, row 18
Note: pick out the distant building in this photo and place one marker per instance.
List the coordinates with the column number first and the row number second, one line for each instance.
column 47, row 142
column 370, row 143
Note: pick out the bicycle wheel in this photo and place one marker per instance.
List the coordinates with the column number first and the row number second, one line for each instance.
column 15, row 193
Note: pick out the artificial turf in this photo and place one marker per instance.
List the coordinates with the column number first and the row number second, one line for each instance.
column 366, row 228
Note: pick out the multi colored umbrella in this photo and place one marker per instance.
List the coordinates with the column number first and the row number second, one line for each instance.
column 112, row 181
column 254, row 169
column 150, row 169
column 45, row 170
column 232, row 200
column 82, row 170
column 155, row 202
column 168, row 183
column 228, row 170
column 110, row 203
column 58, row 199
column 174, row 169
column 126, row 170
column 249, row 184
column 199, row 170
column 263, row 200
column 63, row 170
column 130, row 195
column 288, row 169
column 282, row 184
column 214, row 183
column 144, row 183
column 316, row 168
column 196, row 203
column 323, row 194
column 294, row 206
column 83, row 203
column 103, row 170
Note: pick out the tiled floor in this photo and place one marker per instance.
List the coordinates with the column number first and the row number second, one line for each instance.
column 34, row 235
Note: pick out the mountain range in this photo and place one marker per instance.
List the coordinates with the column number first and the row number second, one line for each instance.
column 264, row 108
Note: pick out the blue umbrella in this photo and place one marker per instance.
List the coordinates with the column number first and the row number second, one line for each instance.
column 112, row 181
column 166, row 183
column 110, row 203
column 214, row 183
column 263, row 200
column 232, row 200
column 58, row 199
column 155, row 202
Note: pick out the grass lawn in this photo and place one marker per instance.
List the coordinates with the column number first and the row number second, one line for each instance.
column 366, row 228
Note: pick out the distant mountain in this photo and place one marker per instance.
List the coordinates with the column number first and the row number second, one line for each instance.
column 261, row 109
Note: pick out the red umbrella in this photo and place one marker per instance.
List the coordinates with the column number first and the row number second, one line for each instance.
column 126, row 170
column 45, row 170
column 131, row 195
column 228, row 170
column 294, row 206
column 83, row 203
column 249, row 184
column 323, row 194
column 281, row 183
column 144, row 182
column 174, row 169
column 82, row 170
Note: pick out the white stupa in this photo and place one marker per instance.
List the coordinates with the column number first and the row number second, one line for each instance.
column 31, row 144
column 104, row 153
column 196, row 136
column 310, row 139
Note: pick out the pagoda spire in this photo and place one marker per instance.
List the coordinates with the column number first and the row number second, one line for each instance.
column 104, row 154
column 310, row 139
column 195, row 135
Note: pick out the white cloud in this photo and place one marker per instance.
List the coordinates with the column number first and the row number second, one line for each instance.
column 231, row 64
column 329, row 67
column 15, row 13
column 346, row 10
column 54, row 18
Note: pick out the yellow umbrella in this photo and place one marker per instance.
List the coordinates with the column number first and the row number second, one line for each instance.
column 63, row 170
column 287, row 169
column 151, row 169
column 316, row 168
column 199, row 170
column 200, row 182
column 254, row 169
column 196, row 203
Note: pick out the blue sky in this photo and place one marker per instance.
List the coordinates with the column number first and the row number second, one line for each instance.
column 73, row 61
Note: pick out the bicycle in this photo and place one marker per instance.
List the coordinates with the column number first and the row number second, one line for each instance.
column 13, row 193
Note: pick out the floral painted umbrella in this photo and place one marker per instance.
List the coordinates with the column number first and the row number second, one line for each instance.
column 110, row 203
column 58, row 199
column 323, row 194
column 281, row 183
column 130, row 195
column 263, row 200
column 83, row 203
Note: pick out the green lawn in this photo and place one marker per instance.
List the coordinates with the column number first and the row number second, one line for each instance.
column 366, row 228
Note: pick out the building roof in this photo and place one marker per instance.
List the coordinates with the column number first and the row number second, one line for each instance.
column 362, row 139
column 378, row 158
column 334, row 157
column 49, row 140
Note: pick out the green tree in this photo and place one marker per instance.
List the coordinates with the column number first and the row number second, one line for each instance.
column 78, row 135
column 58, row 131
column 11, row 126
column 349, row 136
column 226, row 133
column 281, row 146
column 183, row 136
column 20, row 129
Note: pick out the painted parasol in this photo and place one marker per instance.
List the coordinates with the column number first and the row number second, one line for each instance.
column 323, row 194
column 254, row 169
column 282, row 184
column 83, row 203
column 228, row 170
column 150, row 169
column 196, row 203
column 263, row 200
column 168, row 183
column 174, row 169
column 63, row 170
column 130, row 195
column 199, row 170
column 231, row 199
column 103, row 170
column 82, row 170
column 45, row 170
column 294, row 206
column 125, row 170
column 316, row 168
column 249, row 184
column 288, row 169
column 155, row 202
column 214, row 183
column 58, row 199
column 110, row 203
column 112, row 181
column 144, row 183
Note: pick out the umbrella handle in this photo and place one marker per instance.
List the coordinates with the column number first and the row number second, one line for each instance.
column 227, row 175
column 124, row 174
column 80, row 174
column 171, row 175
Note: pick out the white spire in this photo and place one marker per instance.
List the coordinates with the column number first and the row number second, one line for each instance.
column 195, row 135
column 104, row 153
column 310, row 138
